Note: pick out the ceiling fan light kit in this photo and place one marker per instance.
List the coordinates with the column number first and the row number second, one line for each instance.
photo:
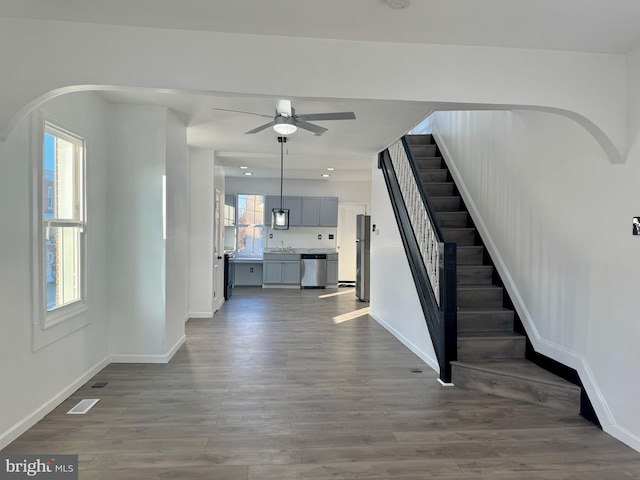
column 284, row 125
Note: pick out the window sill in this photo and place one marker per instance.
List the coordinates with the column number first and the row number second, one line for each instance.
column 59, row 324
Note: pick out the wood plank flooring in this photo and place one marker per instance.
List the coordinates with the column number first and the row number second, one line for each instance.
column 283, row 384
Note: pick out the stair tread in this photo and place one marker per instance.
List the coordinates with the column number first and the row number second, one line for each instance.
column 518, row 368
column 484, row 310
column 479, row 286
column 487, row 335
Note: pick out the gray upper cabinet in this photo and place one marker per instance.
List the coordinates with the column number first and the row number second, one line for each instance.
column 329, row 211
column 270, row 202
column 294, row 204
column 310, row 211
column 304, row 211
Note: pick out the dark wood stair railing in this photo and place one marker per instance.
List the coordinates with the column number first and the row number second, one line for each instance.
column 435, row 279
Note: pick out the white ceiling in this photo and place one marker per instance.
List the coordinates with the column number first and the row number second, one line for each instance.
column 349, row 146
column 609, row 26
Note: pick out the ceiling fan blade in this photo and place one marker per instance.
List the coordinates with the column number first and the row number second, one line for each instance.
column 260, row 128
column 327, row 116
column 317, row 129
column 240, row 111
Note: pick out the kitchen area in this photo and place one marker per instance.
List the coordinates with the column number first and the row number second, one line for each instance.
column 304, row 253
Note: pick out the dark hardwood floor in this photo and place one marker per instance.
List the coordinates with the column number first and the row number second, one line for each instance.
column 283, row 384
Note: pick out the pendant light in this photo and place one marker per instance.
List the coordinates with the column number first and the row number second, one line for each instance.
column 280, row 216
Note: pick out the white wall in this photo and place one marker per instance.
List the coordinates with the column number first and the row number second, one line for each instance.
column 302, row 237
column 358, row 192
column 35, row 382
column 218, row 271
column 394, row 301
column 177, row 226
column 201, row 201
column 590, row 87
column 136, row 249
column 557, row 216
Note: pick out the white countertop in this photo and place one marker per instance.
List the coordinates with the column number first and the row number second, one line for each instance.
column 300, row 250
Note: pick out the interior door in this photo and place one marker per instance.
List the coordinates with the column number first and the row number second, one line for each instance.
column 218, row 288
column 347, row 239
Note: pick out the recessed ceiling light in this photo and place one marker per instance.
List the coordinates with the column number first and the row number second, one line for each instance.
column 248, row 173
column 243, row 168
column 325, row 175
column 331, row 169
column 398, row 4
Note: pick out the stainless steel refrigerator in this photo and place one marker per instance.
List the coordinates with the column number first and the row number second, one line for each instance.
column 363, row 245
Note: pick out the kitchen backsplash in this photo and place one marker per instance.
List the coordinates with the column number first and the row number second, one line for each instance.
column 302, row 237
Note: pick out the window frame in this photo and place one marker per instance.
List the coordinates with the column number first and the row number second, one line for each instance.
column 239, row 225
column 51, row 325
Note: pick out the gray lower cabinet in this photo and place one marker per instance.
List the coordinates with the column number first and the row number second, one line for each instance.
column 332, row 269
column 332, row 272
column 281, row 269
column 291, row 273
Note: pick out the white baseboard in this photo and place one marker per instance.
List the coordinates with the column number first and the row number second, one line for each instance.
column 159, row 358
column 433, row 363
column 199, row 315
column 294, row 287
column 30, row 420
column 624, row 435
column 172, row 351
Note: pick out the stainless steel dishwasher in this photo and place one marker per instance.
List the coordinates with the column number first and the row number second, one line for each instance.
column 313, row 270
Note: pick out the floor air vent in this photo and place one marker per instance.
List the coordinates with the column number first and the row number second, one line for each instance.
column 83, row 407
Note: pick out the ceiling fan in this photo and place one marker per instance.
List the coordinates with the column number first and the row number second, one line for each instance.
column 286, row 121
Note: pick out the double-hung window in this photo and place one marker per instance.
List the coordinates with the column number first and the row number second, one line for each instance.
column 62, row 194
column 250, row 225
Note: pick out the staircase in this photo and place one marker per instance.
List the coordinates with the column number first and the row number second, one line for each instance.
column 491, row 355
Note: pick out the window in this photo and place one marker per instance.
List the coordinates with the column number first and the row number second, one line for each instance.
column 63, row 220
column 250, row 225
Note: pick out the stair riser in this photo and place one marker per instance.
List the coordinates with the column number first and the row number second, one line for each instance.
column 526, row 390
column 470, row 256
column 480, row 275
column 461, row 237
column 445, row 204
column 452, row 219
column 439, row 189
column 490, row 348
column 423, row 150
column 433, row 175
column 480, row 297
column 428, row 163
column 485, row 322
